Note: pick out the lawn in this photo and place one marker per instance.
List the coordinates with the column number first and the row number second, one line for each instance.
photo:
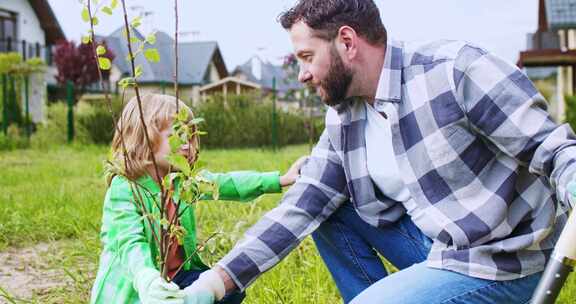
column 50, row 201
column 54, row 198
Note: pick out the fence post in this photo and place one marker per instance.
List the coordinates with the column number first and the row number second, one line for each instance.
column 24, row 50
column 70, row 101
column 27, row 105
column 13, row 99
column 4, row 104
column 274, row 123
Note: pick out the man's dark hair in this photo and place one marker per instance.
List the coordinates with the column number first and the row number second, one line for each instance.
column 326, row 17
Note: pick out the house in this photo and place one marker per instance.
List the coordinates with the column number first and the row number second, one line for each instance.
column 269, row 76
column 551, row 56
column 30, row 28
column 230, row 86
column 199, row 64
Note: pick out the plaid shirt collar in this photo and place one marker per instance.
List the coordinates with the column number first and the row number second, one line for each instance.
column 389, row 85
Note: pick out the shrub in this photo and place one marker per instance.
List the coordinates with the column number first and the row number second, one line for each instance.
column 243, row 122
column 55, row 130
column 14, row 139
column 98, row 123
column 239, row 122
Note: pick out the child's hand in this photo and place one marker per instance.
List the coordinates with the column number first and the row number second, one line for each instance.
column 293, row 173
column 153, row 289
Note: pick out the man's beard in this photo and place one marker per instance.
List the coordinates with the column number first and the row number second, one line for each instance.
column 337, row 81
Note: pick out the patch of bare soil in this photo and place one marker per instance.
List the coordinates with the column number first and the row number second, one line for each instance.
column 25, row 272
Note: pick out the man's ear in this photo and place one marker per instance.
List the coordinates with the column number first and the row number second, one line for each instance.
column 347, row 41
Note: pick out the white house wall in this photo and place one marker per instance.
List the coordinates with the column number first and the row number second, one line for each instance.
column 214, row 75
column 28, row 27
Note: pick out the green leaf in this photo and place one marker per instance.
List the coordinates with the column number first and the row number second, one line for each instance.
column 114, row 4
column 196, row 121
column 152, row 55
column 100, row 50
column 199, row 164
column 95, row 21
column 107, row 10
column 134, row 39
column 175, row 142
column 125, row 82
column 136, row 22
column 151, row 39
column 180, row 162
column 104, row 63
column 85, row 14
column 170, row 179
column 139, row 71
column 182, row 115
column 86, row 39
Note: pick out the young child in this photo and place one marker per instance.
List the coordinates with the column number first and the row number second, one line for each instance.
column 128, row 272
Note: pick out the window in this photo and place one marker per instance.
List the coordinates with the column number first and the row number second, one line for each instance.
column 7, row 31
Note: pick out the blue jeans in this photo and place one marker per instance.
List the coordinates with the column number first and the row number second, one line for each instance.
column 185, row 278
column 350, row 247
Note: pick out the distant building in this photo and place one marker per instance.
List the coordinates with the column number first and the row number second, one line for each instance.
column 551, row 51
column 199, row 64
column 29, row 27
column 264, row 73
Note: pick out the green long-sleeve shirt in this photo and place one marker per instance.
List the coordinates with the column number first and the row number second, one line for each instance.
column 127, row 241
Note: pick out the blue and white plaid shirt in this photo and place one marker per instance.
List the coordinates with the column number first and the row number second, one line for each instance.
column 485, row 165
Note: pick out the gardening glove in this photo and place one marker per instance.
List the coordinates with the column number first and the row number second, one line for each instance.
column 208, row 288
column 153, row 289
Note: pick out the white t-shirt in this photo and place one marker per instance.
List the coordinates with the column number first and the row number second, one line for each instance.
column 382, row 165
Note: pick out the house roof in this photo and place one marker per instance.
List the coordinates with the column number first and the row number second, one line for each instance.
column 194, row 59
column 230, row 79
column 48, row 21
column 561, row 14
column 268, row 72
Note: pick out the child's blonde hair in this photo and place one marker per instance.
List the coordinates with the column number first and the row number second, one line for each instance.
column 158, row 112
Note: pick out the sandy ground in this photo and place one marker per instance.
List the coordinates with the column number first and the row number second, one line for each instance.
column 24, row 272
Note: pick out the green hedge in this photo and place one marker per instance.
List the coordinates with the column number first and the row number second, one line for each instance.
column 93, row 124
column 239, row 122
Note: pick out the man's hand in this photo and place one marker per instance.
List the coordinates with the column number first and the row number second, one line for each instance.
column 208, row 288
column 293, row 173
column 153, row 289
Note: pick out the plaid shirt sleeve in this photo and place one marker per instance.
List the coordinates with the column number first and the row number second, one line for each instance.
column 504, row 107
column 319, row 191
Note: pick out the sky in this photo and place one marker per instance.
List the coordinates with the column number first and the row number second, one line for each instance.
column 244, row 28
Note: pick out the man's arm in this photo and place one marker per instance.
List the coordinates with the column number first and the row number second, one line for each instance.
column 503, row 105
column 319, row 191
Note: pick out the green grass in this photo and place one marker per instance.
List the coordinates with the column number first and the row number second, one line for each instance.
column 55, row 196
